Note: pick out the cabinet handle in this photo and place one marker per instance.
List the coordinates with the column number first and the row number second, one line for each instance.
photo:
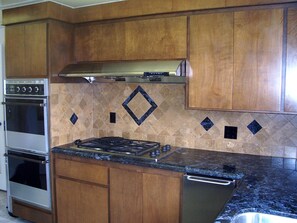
column 207, row 180
column 26, row 104
column 43, row 162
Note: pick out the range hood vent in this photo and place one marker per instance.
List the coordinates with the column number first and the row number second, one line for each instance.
column 159, row 71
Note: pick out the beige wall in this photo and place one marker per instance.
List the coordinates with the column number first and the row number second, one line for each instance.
column 170, row 123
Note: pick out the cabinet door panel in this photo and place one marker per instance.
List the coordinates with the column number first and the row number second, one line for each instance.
column 36, row 49
column 100, row 42
column 291, row 75
column 26, row 50
column 125, row 196
column 60, row 46
column 146, row 39
column 258, row 60
column 161, row 199
column 15, row 50
column 82, row 171
column 80, row 202
column 211, row 59
column 156, row 38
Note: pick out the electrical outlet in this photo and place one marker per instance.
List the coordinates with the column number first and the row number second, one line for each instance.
column 230, row 132
column 112, row 117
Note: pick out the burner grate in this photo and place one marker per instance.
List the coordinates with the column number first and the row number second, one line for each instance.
column 120, row 145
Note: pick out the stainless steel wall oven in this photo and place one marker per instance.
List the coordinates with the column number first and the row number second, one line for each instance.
column 27, row 141
column 28, row 176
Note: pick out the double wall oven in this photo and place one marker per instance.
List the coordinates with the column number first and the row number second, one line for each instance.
column 27, row 141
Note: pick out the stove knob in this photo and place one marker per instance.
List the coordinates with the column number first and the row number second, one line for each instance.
column 158, row 152
column 24, row 89
column 166, row 148
column 18, row 89
column 36, row 89
column 153, row 154
column 30, row 89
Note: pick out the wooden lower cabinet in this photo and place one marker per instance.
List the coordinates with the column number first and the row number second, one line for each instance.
column 125, row 196
column 144, row 197
column 161, row 198
column 81, row 191
column 31, row 213
column 79, row 202
column 98, row 192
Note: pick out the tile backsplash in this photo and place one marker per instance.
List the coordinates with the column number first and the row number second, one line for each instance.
column 169, row 123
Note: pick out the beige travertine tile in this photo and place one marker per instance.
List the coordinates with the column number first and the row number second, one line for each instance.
column 170, row 123
column 290, row 152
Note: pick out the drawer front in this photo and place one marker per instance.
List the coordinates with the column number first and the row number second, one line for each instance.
column 82, row 171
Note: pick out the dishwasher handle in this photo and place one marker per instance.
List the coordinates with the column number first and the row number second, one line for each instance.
column 215, row 181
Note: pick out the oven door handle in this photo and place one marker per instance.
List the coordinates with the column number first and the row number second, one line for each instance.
column 20, row 103
column 43, row 162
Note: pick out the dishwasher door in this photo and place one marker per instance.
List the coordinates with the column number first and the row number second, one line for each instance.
column 204, row 198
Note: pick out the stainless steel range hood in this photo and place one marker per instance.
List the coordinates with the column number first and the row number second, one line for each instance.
column 159, row 71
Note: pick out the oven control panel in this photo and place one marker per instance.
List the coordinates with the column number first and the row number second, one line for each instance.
column 26, row 87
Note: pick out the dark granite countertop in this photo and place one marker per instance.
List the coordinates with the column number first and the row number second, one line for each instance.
column 267, row 184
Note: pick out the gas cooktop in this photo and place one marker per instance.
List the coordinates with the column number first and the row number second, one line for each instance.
column 125, row 147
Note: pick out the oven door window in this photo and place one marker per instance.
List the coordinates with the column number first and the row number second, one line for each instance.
column 25, row 115
column 27, row 169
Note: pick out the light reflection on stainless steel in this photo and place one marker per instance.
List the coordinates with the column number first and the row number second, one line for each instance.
column 255, row 217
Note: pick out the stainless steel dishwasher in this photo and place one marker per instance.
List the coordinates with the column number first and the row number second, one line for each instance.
column 204, row 198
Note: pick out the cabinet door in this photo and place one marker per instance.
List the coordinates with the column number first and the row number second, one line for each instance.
column 258, row 60
column 291, row 75
column 26, row 50
column 125, row 196
column 164, row 38
column 36, row 50
column 161, row 198
column 79, row 202
column 15, row 50
column 211, row 59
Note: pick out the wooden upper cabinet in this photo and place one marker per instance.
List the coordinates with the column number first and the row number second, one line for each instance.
column 211, row 60
column 163, row 38
column 258, row 60
column 15, row 50
column 291, row 75
column 26, row 53
column 38, row 49
column 60, row 48
column 236, row 60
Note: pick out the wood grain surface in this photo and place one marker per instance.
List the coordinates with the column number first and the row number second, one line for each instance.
column 211, row 60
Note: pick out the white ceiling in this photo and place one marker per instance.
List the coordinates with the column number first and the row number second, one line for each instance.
column 5, row 4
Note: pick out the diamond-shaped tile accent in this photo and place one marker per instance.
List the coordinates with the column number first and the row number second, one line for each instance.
column 207, row 123
column 140, row 90
column 254, row 127
column 73, row 118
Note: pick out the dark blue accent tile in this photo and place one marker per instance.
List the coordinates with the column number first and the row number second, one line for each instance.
column 230, row 132
column 73, row 118
column 140, row 90
column 254, row 127
column 207, row 123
